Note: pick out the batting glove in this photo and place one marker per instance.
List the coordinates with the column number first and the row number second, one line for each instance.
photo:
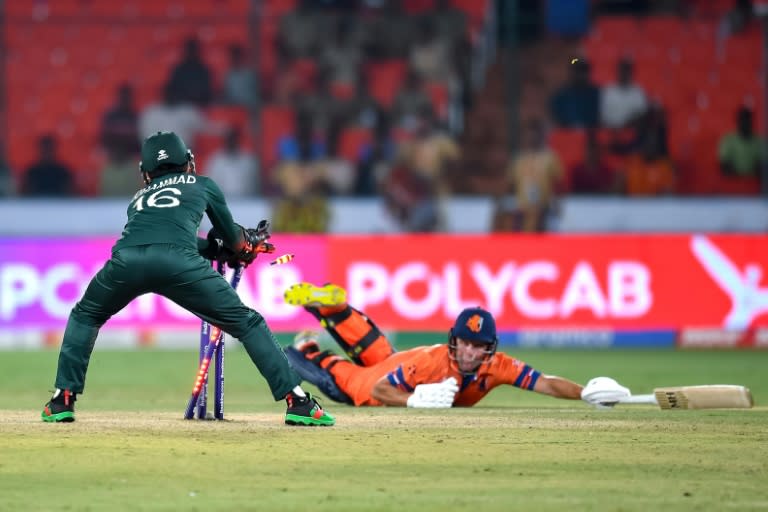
column 434, row 396
column 604, row 392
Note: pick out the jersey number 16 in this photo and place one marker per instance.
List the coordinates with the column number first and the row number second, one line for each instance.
column 164, row 198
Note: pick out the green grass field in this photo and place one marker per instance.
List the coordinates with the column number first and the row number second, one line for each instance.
column 130, row 449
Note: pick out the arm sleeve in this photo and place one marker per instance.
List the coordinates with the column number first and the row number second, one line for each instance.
column 398, row 380
column 411, row 373
column 517, row 373
column 221, row 218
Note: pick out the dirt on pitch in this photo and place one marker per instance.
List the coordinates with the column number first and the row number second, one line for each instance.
column 486, row 459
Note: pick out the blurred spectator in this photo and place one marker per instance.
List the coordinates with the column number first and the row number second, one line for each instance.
column 120, row 139
column 569, row 18
column 234, row 169
column 361, row 109
column 184, row 119
column 415, row 189
column 333, row 5
column 736, row 19
column 287, row 85
column 431, row 56
column 301, row 207
column 650, row 173
column 623, row 102
column 411, row 104
column 593, row 176
column 650, row 128
column 305, row 145
column 741, row 152
column 389, row 31
column 341, row 57
column 324, row 111
column 335, row 176
column 308, row 147
column 120, row 179
column 534, row 175
column 450, row 26
column 621, row 6
column 190, row 80
column 450, row 23
column 7, row 182
column 48, row 177
column 298, row 35
column 411, row 197
column 241, row 85
column 577, row 103
column 120, row 129
column 436, row 155
column 375, row 159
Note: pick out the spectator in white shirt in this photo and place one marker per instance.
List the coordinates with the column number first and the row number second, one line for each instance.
column 234, row 169
column 623, row 102
column 184, row 119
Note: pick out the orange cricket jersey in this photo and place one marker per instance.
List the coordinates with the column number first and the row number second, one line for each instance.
column 426, row 365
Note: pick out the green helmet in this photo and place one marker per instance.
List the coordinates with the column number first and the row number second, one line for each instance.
column 163, row 148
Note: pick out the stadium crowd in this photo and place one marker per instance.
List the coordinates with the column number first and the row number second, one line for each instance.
column 381, row 98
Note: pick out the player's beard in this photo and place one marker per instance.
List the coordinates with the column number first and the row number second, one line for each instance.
column 469, row 365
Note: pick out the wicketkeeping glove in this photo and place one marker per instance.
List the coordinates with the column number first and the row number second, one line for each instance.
column 255, row 242
column 604, row 392
column 434, row 396
column 217, row 251
column 258, row 237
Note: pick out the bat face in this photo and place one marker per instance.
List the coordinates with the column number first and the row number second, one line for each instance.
column 704, row 397
column 722, row 396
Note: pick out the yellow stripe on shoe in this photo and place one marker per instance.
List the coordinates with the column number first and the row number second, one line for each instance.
column 307, row 294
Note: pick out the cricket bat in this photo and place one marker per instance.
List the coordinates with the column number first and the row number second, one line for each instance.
column 719, row 396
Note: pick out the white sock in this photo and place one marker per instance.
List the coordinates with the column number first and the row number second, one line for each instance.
column 298, row 391
column 56, row 393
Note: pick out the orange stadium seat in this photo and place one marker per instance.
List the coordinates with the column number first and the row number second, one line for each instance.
column 276, row 122
column 619, row 30
column 569, row 144
column 231, row 115
column 661, row 30
column 279, row 7
column 342, row 90
column 351, row 142
column 438, row 93
column 385, row 79
column 475, row 10
column 306, row 70
column 61, row 77
column 674, row 63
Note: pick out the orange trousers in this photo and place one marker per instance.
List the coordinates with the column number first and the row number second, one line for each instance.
column 357, row 335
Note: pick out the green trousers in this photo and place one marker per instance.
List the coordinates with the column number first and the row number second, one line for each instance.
column 187, row 279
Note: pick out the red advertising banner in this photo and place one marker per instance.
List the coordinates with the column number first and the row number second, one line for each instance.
column 622, row 282
column 603, row 282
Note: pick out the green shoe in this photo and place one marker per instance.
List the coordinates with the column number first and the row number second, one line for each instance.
column 61, row 408
column 305, row 411
column 307, row 294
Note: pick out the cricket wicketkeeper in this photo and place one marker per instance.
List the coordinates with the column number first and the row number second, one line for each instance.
column 458, row 373
column 159, row 252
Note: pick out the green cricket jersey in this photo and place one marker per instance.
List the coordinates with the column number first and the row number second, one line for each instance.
column 159, row 252
column 169, row 211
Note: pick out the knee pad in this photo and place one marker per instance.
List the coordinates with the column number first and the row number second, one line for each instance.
column 346, row 327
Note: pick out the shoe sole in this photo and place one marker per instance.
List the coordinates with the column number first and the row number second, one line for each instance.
column 304, row 421
column 61, row 417
column 306, row 294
